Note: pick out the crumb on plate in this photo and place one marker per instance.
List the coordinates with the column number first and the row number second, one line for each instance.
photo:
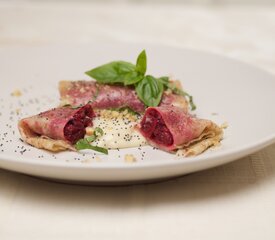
column 16, row 93
column 129, row 158
column 224, row 125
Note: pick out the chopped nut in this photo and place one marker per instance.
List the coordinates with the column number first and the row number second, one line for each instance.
column 132, row 117
column 17, row 111
column 129, row 158
column 115, row 113
column 224, row 125
column 16, row 93
column 89, row 131
column 125, row 112
column 87, row 161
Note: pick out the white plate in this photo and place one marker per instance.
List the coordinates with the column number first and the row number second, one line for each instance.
column 224, row 90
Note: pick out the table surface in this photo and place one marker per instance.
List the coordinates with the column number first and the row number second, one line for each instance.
column 233, row 201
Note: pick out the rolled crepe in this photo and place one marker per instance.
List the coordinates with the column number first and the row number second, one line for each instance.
column 104, row 96
column 56, row 129
column 170, row 128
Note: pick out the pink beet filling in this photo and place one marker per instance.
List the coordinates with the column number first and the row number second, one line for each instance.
column 154, row 128
column 75, row 127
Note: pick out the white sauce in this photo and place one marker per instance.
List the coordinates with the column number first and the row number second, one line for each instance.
column 119, row 132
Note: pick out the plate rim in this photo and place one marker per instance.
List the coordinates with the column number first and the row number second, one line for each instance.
column 228, row 154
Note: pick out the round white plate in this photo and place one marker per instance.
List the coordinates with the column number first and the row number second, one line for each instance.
column 224, row 90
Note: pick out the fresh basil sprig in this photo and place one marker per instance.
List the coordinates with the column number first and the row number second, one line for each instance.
column 148, row 88
column 113, row 72
column 85, row 142
column 141, row 64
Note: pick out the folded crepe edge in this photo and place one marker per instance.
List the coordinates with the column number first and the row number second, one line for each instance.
column 40, row 141
column 210, row 137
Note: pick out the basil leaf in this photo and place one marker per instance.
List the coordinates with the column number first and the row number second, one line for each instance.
column 148, row 88
column 164, row 81
column 150, row 91
column 141, row 64
column 132, row 78
column 84, row 144
column 113, row 72
column 99, row 149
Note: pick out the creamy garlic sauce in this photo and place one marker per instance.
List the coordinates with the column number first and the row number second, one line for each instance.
column 119, row 130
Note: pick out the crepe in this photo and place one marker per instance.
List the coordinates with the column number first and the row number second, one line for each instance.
column 104, row 96
column 56, row 129
column 170, row 128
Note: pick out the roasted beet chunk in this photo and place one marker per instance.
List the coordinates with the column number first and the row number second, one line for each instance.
column 154, row 128
column 75, row 128
column 162, row 134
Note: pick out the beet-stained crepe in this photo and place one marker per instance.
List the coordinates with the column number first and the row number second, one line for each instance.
column 170, row 128
column 56, row 129
column 104, row 96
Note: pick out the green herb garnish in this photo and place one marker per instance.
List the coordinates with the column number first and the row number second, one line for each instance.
column 73, row 107
column 91, row 138
column 130, row 110
column 148, row 88
column 185, row 94
column 85, row 142
column 76, row 107
column 98, row 132
column 67, row 105
column 113, row 72
column 176, row 90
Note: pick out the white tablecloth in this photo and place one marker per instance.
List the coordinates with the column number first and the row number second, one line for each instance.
column 234, row 201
